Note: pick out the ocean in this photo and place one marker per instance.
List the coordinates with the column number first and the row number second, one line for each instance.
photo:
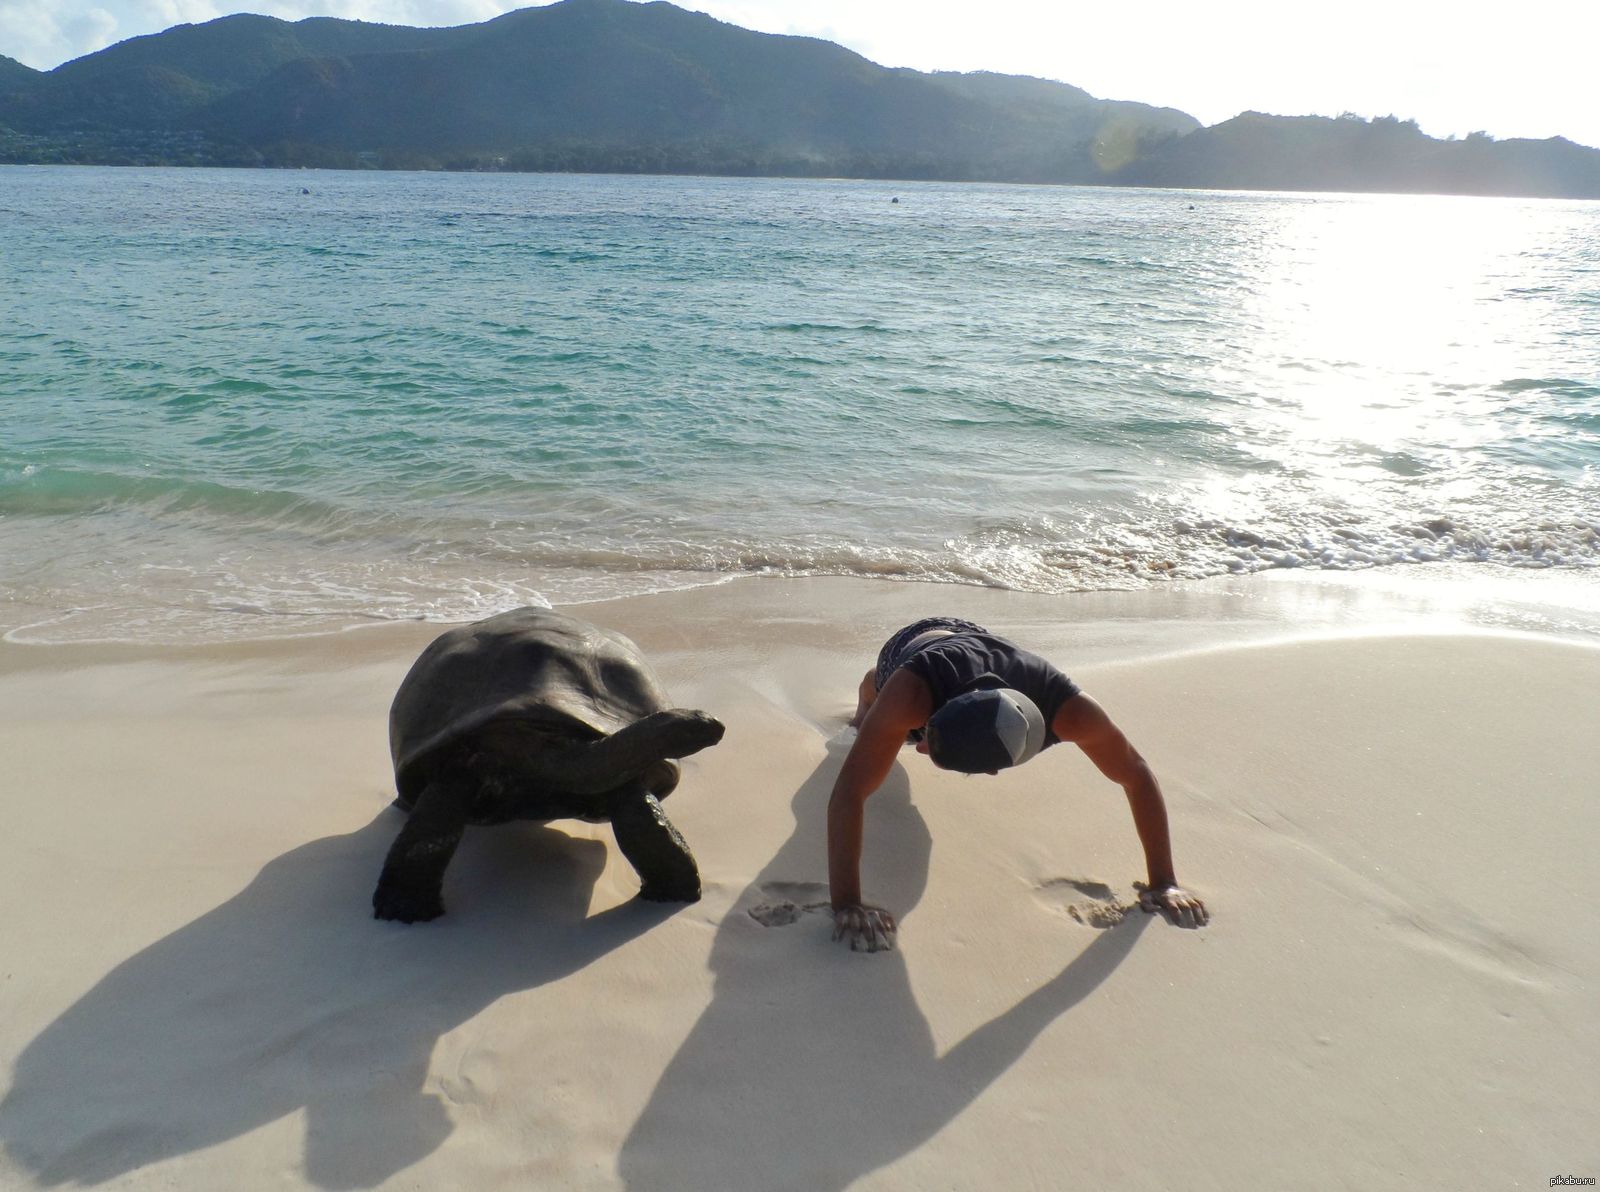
column 247, row 403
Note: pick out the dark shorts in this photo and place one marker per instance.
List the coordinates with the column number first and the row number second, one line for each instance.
column 894, row 650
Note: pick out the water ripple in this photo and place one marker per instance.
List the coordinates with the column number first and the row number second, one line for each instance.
column 421, row 394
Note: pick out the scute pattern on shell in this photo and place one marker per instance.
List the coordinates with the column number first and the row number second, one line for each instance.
column 575, row 681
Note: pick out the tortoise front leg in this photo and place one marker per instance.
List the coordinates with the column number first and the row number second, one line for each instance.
column 656, row 850
column 413, row 873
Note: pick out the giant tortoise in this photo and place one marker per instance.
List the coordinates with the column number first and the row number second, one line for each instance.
column 534, row 715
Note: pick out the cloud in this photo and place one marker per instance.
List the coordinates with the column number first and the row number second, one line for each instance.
column 30, row 34
column 93, row 30
column 163, row 14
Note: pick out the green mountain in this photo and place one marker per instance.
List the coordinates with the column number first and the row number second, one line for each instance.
column 1256, row 151
column 602, row 84
column 162, row 81
column 653, row 77
column 616, row 85
column 14, row 74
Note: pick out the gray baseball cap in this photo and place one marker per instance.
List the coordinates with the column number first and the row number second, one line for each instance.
column 991, row 728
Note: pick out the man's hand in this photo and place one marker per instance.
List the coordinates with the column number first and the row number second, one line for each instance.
column 868, row 928
column 1181, row 907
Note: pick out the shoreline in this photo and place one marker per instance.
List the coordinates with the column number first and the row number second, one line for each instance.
column 1563, row 602
column 1387, row 810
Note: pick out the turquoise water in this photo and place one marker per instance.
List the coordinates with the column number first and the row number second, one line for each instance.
column 232, row 407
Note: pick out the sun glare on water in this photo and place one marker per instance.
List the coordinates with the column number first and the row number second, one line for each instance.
column 1379, row 335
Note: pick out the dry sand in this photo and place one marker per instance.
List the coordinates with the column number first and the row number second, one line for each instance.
column 1396, row 833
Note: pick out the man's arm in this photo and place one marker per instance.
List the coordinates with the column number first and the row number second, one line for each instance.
column 901, row 706
column 865, row 694
column 1085, row 723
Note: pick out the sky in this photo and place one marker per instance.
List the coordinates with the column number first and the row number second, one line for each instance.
column 1512, row 70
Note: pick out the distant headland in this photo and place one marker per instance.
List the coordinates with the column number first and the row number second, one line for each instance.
column 612, row 86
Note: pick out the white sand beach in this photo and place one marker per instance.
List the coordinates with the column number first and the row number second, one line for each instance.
column 1393, row 814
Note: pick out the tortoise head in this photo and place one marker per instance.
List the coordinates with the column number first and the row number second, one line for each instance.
column 685, row 730
column 604, row 764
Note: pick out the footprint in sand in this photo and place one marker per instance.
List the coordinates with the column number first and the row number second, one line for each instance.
column 1083, row 900
column 784, row 902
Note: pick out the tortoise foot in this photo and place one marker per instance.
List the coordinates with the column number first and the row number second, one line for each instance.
column 406, row 906
column 670, row 892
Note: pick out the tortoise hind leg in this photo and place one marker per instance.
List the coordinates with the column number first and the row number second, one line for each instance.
column 656, row 850
column 413, row 873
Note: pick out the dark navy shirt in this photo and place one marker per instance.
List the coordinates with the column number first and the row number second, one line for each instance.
column 951, row 665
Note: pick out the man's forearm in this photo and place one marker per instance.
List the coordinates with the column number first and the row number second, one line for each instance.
column 901, row 706
column 1150, row 821
column 846, row 818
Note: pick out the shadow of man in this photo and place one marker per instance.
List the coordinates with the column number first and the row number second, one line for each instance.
column 290, row 995
column 813, row 1066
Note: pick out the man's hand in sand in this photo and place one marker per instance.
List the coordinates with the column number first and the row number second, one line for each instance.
column 868, row 928
column 1182, row 907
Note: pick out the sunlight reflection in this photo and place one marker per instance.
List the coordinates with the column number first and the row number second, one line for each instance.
column 1381, row 324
